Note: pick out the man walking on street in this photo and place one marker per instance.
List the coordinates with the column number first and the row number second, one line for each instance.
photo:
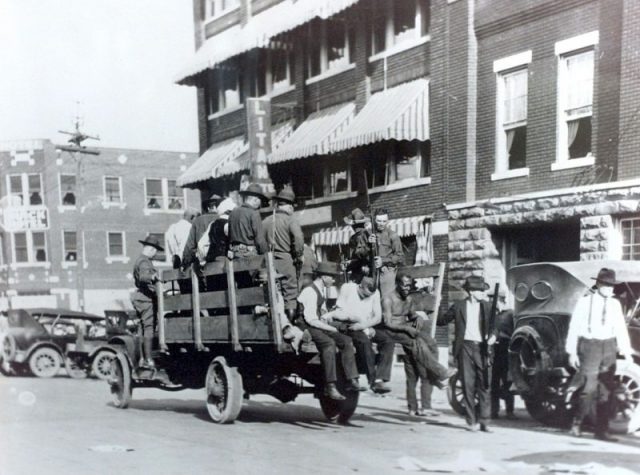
column 597, row 331
column 284, row 236
column 474, row 336
column 144, row 299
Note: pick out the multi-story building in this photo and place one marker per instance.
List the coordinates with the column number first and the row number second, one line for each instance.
column 51, row 214
column 513, row 126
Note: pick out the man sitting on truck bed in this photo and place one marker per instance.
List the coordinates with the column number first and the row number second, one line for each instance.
column 327, row 337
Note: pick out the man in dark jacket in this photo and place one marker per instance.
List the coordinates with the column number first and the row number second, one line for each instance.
column 389, row 251
column 360, row 258
column 246, row 234
column 199, row 226
column 500, row 375
column 284, row 236
column 475, row 335
column 144, row 298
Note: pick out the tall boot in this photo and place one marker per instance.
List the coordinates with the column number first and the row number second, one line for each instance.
column 147, row 345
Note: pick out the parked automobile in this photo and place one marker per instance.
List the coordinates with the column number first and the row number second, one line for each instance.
column 40, row 340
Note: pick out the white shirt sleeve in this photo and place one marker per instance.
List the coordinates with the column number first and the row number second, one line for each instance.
column 309, row 300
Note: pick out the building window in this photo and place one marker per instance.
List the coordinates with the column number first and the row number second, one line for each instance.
column 70, row 246
column 115, row 244
column 330, row 46
column 217, row 8
column 338, row 177
column 30, row 247
column 396, row 161
column 630, row 239
column 112, row 189
column 27, row 188
column 225, row 91
column 67, row 190
column 399, row 22
column 163, row 194
column 160, row 255
column 280, row 67
column 511, row 120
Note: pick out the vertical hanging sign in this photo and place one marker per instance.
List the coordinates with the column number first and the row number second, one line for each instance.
column 259, row 136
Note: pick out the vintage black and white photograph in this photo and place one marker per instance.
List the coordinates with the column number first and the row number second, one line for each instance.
column 319, row 237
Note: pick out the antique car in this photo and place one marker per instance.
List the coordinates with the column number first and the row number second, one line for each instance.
column 40, row 340
column 218, row 340
column 545, row 295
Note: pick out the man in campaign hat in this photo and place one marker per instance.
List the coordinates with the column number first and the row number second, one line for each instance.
column 246, row 234
column 144, row 298
column 359, row 259
column 475, row 334
column 597, row 330
column 284, row 237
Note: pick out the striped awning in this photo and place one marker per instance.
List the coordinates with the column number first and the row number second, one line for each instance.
column 315, row 135
column 210, row 161
column 258, row 32
column 399, row 113
column 333, row 236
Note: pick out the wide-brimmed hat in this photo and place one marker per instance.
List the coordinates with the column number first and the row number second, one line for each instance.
column 606, row 277
column 328, row 268
column 152, row 241
column 210, row 197
column 254, row 190
column 286, row 195
column 475, row 282
column 357, row 216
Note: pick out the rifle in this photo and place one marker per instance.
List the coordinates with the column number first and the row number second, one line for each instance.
column 486, row 350
column 374, row 248
column 342, row 259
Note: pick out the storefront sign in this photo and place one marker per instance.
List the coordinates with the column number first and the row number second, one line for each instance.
column 259, row 135
column 26, row 218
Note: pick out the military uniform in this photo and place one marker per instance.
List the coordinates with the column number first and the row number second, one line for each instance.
column 392, row 255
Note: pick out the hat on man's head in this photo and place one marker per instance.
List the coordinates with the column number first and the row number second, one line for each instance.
column 210, row 197
column 254, row 190
column 286, row 195
column 328, row 268
column 356, row 217
column 152, row 241
column 475, row 282
column 606, row 277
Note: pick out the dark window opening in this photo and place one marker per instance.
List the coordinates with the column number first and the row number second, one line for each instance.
column 517, row 147
column 581, row 145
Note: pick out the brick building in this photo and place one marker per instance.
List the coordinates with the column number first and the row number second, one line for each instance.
column 512, row 125
column 47, row 221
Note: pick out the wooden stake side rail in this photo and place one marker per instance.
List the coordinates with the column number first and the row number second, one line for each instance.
column 195, row 305
column 233, row 307
column 275, row 321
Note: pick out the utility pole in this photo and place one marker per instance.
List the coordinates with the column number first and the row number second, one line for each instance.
column 78, row 150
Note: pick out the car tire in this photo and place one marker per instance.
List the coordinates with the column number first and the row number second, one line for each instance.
column 45, row 362
column 626, row 417
column 224, row 391
column 101, row 364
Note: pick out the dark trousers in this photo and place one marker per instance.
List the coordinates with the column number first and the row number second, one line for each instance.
column 500, row 379
column 285, row 266
column 423, row 353
column 412, row 375
column 327, row 342
column 145, row 307
column 597, row 370
column 475, row 378
column 374, row 366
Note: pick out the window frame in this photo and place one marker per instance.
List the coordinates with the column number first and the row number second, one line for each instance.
column 630, row 245
column 25, row 189
column 31, row 252
column 164, row 204
column 565, row 49
column 222, row 12
column 325, row 69
column 65, row 250
column 116, row 257
column 120, row 193
column 62, row 192
column 214, row 86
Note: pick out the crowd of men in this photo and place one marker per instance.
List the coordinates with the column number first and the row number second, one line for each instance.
column 377, row 307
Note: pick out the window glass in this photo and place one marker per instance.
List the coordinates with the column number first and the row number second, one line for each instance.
column 404, row 20
column 407, row 161
column 35, row 189
column 21, row 249
column 378, row 30
column 280, row 68
column 176, row 195
column 513, row 115
column 336, row 44
column 68, row 190
column 112, row 189
column 314, row 59
column 15, row 187
column 229, row 91
column 70, row 246
column 154, row 194
column 515, row 97
column 630, row 239
column 116, row 244
column 39, row 247
column 338, row 176
column 580, row 83
column 516, row 147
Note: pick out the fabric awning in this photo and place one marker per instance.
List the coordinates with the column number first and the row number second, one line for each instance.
column 333, row 236
column 207, row 165
column 258, row 32
column 315, row 135
column 399, row 113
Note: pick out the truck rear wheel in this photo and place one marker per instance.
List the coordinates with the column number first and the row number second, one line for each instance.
column 553, row 413
column 120, row 381
column 224, row 391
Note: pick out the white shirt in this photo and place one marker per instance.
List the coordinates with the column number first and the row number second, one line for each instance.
column 309, row 299
column 352, row 308
column 472, row 329
column 599, row 318
column 177, row 235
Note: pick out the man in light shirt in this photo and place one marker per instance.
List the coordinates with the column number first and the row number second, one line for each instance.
column 597, row 331
column 177, row 236
column 359, row 307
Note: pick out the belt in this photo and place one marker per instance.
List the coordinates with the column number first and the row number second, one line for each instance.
column 241, row 246
column 473, row 342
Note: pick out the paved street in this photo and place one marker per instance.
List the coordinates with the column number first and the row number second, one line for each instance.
column 69, row 426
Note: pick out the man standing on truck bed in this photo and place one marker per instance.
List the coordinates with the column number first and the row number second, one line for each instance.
column 144, row 299
column 596, row 331
column 246, row 235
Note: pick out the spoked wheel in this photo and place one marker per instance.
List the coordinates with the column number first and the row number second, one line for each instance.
column 553, row 412
column 45, row 363
column 101, row 365
column 120, row 381
column 455, row 394
column 626, row 417
column 224, row 391
column 74, row 370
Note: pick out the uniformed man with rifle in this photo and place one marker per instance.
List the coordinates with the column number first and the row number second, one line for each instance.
column 388, row 253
